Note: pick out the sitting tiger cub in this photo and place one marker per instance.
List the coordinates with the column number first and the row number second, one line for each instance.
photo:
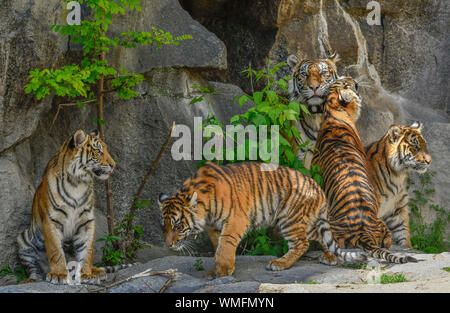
column 342, row 159
column 233, row 199
column 63, row 210
column 392, row 158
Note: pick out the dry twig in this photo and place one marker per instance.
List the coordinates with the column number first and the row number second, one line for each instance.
column 68, row 105
column 171, row 272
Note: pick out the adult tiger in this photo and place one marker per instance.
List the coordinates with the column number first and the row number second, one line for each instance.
column 342, row 159
column 230, row 200
column 309, row 85
column 63, row 210
column 392, row 158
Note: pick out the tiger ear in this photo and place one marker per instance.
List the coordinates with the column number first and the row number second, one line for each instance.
column 193, row 200
column 418, row 125
column 95, row 133
column 394, row 133
column 292, row 60
column 161, row 198
column 79, row 138
column 334, row 58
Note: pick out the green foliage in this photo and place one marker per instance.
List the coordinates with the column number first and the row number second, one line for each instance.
column 446, row 269
column 110, row 255
column 78, row 81
column 126, row 228
column 269, row 106
column 19, row 272
column 199, row 265
column 395, row 278
column 114, row 251
column 259, row 242
column 429, row 238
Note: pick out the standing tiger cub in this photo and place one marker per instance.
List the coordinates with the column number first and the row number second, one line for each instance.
column 342, row 159
column 392, row 158
column 63, row 210
column 233, row 199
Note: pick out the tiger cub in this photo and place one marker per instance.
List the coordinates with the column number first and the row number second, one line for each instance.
column 342, row 159
column 309, row 85
column 63, row 210
column 228, row 201
column 392, row 158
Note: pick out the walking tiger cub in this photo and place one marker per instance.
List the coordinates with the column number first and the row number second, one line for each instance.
column 230, row 200
column 342, row 159
column 63, row 210
column 392, row 158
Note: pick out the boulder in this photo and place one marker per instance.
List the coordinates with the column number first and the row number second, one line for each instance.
column 203, row 50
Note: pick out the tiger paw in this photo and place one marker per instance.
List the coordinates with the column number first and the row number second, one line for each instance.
column 94, row 277
column 223, row 270
column 58, row 278
column 277, row 265
column 98, row 272
column 328, row 259
column 212, row 273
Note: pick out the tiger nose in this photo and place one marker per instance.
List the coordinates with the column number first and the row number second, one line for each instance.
column 314, row 87
column 428, row 159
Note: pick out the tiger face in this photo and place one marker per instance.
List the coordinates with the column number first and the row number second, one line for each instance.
column 90, row 156
column 409, row 149
column 348, row 99
column 311, row 80
column 180, row 219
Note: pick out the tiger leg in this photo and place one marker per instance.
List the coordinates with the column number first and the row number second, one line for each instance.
column 398, row 224
column 298, row 244
column 31, row 251
column 55, row 254
column 385, row 235
column 231, row 235
column 213, row 235
column 84, row 248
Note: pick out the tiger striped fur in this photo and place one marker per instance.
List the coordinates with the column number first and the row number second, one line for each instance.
column 63, row 210
column 309, row 85
column 392, row 158
column 230, row 200
column 342, row 159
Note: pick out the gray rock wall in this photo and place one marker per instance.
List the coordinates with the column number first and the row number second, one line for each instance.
column 404, row 61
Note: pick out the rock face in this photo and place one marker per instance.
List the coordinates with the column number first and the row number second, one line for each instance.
column 403, row 62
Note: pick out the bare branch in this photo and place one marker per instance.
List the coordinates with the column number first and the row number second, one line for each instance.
column 68, row 105
column 152, row 169
column 171, row 272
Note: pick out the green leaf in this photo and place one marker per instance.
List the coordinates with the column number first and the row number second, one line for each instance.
column 99, row 121
column 235, row 118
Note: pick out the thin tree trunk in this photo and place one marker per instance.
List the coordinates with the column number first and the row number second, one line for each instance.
column 101, row 128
